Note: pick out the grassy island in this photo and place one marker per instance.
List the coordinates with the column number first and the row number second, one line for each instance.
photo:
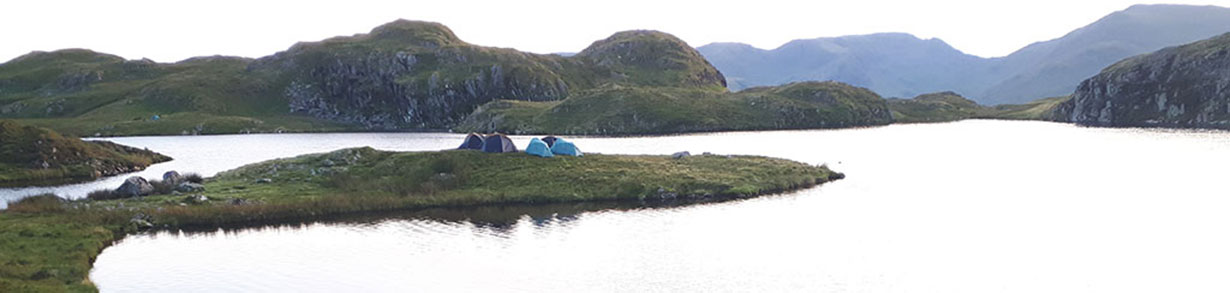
column 48, row 244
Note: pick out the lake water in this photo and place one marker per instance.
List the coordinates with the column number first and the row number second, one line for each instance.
column 972, row 206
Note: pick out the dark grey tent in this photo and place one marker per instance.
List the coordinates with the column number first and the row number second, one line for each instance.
column 498, row 143
column 473, row 142
column 550, row 140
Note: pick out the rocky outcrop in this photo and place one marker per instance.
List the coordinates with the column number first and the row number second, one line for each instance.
column 1185, row 86
column 653, row 58
column 408, row 74
column 418, row 75
column 134, row 186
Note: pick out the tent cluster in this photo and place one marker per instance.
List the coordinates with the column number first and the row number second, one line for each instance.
column 499, row 143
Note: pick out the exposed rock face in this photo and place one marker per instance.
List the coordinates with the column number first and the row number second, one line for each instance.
column 1185, row 86
column 392, row 90
column 408, row 74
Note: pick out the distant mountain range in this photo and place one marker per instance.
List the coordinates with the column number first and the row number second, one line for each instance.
column 901, row 65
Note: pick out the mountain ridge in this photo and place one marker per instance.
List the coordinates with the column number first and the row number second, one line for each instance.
column 1042, row 69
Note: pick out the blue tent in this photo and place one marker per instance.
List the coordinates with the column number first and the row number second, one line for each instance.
column 498, row 143
column 565, row 148
column 538, row 148
column 473, row 142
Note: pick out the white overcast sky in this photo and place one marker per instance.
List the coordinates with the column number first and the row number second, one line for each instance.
column 168, row 31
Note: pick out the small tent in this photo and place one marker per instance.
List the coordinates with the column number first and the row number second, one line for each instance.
column 472, row 142
column 565, row 148
column 550, row 140
column 538, row 148
column 498, row 143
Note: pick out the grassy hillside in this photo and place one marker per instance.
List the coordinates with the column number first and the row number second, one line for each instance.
column 81, row 92
column 38, row 156
column 1041, row 109
column 47, row 244
column 936, row 107
column 949, row 106
column 649, row 110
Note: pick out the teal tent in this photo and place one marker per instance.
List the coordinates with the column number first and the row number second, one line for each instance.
column 538, row 148
column 565, row 148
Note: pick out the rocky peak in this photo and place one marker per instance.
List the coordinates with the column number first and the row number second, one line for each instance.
column 646, row 57
column 423, row 31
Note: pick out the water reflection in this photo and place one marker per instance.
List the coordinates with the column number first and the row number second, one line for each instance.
column 973, row 206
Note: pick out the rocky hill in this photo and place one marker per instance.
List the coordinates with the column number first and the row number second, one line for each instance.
column 401, row 75
column 38, row 156
column 1184, row 86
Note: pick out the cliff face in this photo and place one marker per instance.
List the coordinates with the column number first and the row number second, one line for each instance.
column 407, row 75
column 1185, row 86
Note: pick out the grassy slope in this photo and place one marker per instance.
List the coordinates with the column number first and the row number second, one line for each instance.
column 644, row 110
column 82, row 93
column 25, row 149
column 1041, row 109
column 948, row 106
column 48, row 245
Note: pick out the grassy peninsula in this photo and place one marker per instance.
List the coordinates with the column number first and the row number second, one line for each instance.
column 48, row 244
column 33, row 156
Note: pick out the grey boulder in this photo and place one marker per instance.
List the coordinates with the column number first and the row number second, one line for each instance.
column 135, row 186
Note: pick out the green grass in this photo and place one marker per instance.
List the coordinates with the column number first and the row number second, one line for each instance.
column 38, row 156
column 624, row 110
column 47, row 244
column 949, row 106
column 1041, row 109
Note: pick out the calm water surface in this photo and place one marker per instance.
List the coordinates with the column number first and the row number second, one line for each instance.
column 974, row 206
